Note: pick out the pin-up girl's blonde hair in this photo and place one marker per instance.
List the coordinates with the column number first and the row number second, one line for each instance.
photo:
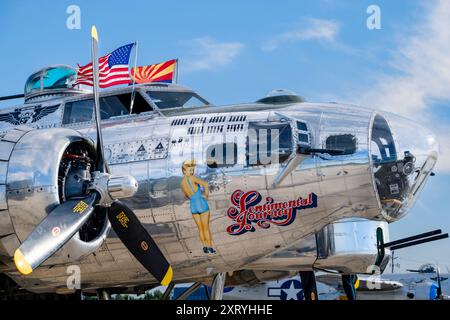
column 187, row 164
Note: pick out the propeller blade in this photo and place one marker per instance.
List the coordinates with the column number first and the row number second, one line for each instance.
column 101, row 164
column 53, row 232
column 139, row 242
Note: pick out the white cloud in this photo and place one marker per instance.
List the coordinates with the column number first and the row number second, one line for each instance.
column 309, row 29
column 443, row 133
column 209, row 54
column 423, row 75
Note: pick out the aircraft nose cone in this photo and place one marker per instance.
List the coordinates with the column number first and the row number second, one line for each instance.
column 403, row 154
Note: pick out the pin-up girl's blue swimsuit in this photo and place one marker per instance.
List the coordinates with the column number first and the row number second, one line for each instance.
column 198, row 202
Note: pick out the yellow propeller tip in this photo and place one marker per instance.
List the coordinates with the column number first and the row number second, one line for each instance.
column 168, row 277
column 21, row 263
column 94, row 33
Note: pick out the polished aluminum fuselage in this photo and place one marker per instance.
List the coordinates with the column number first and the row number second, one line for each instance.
column 344, row 186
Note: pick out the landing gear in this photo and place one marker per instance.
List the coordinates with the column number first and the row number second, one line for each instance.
column 103, row 294
column 218, row 286
column 168, row 291
column 308, row 279
column 349, row 285
column 189, row 291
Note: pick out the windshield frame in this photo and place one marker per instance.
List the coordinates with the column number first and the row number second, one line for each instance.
column 107, row 94
column 174, row 109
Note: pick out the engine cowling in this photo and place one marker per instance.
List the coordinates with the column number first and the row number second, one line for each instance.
column 39, row 169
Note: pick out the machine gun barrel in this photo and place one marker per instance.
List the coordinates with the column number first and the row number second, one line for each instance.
column 11, row 97
column 413, row 243
column 412, row 238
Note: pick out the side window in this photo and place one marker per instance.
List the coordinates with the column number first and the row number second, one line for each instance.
column 113, row 106
column 119, row 105
column 221, row 155
column 303, row 136
column 344, row 142
column 268, row 143
column 78, row 111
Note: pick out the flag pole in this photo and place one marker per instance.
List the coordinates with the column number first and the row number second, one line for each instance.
column 133, row 93
column 176, row 76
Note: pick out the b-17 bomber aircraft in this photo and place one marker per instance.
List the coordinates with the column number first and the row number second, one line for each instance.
column 152, row 184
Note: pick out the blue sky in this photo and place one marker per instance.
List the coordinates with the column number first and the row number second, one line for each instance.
column 236, row 51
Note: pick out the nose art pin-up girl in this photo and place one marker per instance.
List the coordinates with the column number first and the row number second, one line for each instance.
column 197, row 191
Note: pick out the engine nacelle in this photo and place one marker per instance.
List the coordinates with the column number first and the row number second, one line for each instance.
column 347, row 246
column 38, row 170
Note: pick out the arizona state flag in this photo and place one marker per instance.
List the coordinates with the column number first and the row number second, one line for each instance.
column 160, row 72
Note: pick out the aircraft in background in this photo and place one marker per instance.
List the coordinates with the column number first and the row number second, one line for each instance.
column 426, row 283
column 422, row 284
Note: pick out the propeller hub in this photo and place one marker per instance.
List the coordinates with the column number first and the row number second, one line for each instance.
column 122, row 186
column 112, row 187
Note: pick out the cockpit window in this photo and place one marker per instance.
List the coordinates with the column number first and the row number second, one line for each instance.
column 113, row 106
column 119, row 105
column 168, row 100
column 110, row 106
column 78, row 111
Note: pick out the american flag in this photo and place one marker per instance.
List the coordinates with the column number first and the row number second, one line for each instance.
column 113, row 69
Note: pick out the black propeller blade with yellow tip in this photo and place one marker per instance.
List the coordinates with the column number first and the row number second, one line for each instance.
column 66, row 219
column 139, row 242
